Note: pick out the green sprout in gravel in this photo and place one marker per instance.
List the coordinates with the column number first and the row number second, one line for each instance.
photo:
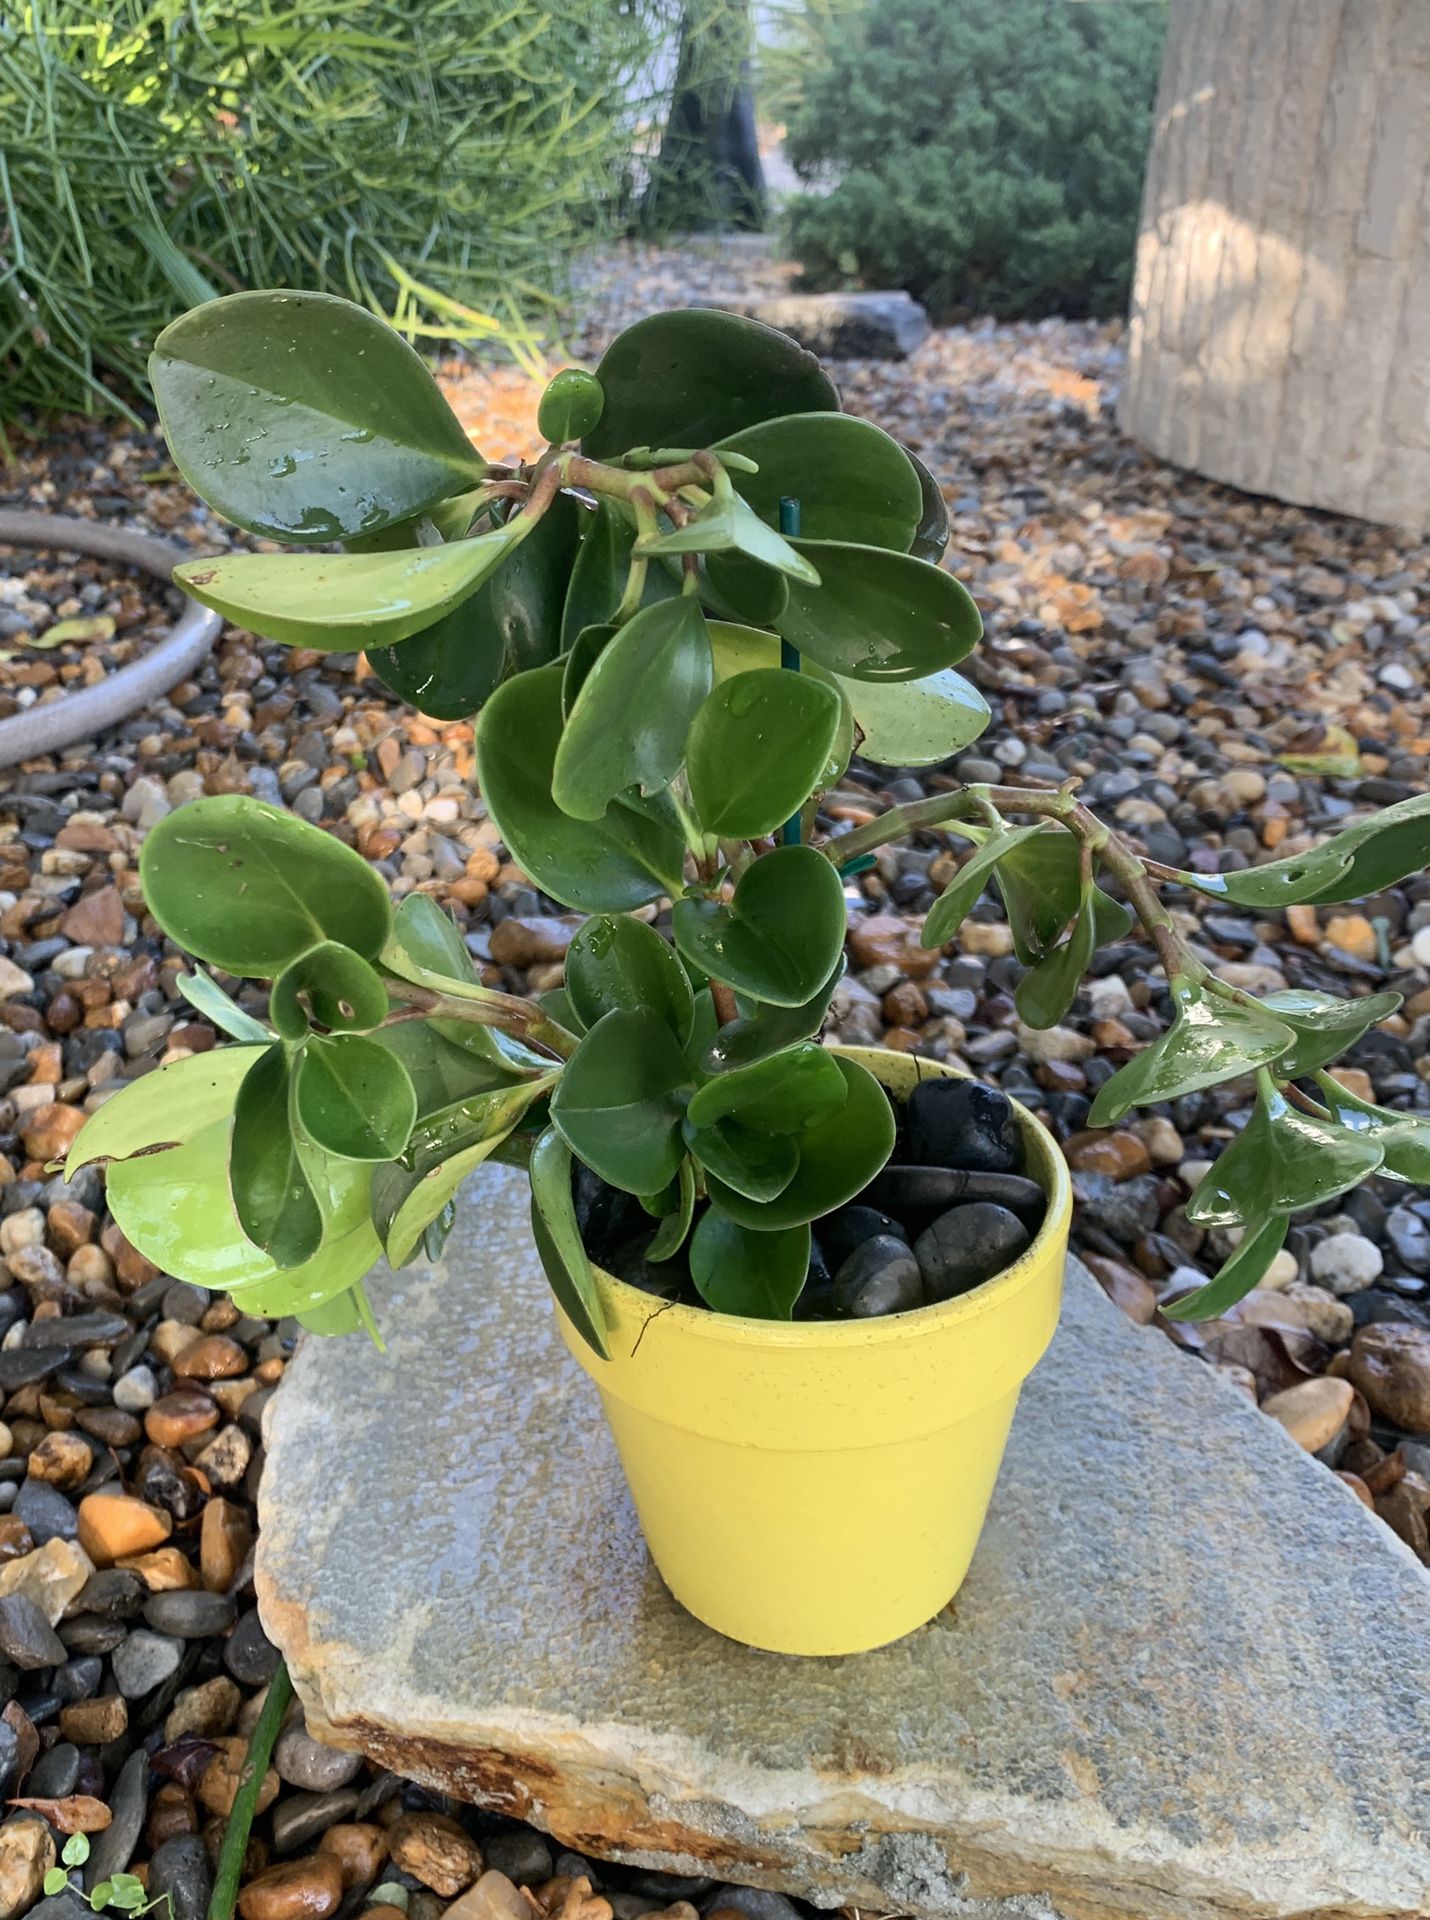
column 666, row 683
column 124, row 1892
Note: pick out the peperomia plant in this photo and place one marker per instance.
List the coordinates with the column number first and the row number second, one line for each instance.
column 676, row 625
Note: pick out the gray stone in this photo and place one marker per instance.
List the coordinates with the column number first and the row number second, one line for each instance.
column 112, row 1850
column 1098, row 1727
column 301, row 1817
column 26, row 1636
column 845, row 326
column 305, row 1762
column 880, row 1276
column 145, row 1661
column 180, row 1868
column 523, row 1856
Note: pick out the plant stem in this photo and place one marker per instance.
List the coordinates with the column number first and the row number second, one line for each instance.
column 523, row 1019
column 245, row 1801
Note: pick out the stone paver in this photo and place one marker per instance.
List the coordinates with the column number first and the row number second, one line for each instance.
column 1186, row 1676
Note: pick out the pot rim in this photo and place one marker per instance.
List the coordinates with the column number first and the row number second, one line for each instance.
column 729, row 1329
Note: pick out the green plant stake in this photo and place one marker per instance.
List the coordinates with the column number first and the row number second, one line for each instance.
column 245, row 1802
column 673, row 631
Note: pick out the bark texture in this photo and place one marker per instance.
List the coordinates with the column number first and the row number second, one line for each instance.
column 1280, row 330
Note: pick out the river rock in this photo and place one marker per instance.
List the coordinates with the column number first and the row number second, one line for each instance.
column 1390, row 1363
column 846, row 326
column 1070, row 1739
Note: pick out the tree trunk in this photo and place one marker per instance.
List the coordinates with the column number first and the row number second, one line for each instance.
column 709, row 172
column 1280, row 330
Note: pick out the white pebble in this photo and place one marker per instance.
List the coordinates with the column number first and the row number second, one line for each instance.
column 1346, row 1263
column 1420, row 948
column 136, row 1390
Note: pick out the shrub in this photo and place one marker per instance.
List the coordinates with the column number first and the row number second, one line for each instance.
column 985, row 154
column 435, row 163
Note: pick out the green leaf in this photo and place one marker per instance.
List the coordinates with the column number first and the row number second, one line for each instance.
column 1360, row 860
column 441, row 1070
column 670, row 1235
column 426, row 945
column 878, row 615
column 558, row 1241
column 780, row 936
column 696, row 376
column 614, row 961
column 1245, row 1269
column 1210, row 1040
column 838, row 1157
column 276, row 1207
column 450, row 519
column 963, row 892
column 758, row 1166
column 353, row 1097
column 209, row 999
column 758, row 747
column 1405, row 1137
column 444, row 1147
column 1281, row 1161
column 509, row 625
column 762, row 1029
column 598, row 574
column 851, row 480
column 1038, row 877
column 1047, row 990
column 177, row 1208
column 588, row 646
column 785, row 1093
column 572, row 404
column 99, row 1895
column 913, row 723
column 758, row 1276
column 629, row 724
column 931, row 534
column 76, row 1850
column 56, row 1879
column 729, row 526
column 616, row 1104
column 743, row 590
column 340, row 602
column 341, row 991
column 248, row 887
column 1323, row 1025
column 126, row 1891
column 305, row 418
column 165, row 1108
column 623, row 860
column 334, row 1317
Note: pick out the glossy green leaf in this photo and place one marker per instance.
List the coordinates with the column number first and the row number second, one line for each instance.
column 328, row 986
column 757, row 1166
column 510, row 624
column 1046, row 992
column 207, row 997
column 248, row 887
column 444, row 1147
column 588, row 646
column 571, row 404
column 758, row 1276
column 441, row 1071
column 598, row 573
column 558, row 1241
column 930, row 539
column 1039, row 879
column 838, row 1157
column 1384, row 850
column 740, row 589
column 1404, row 1137
column 621, row 861
column 615, row 961
column 177, row 1208
column 164, row 1108
column 335, row 1317
column 786, row 1093
column 878, row 615
column 276, row 1207
column 354, row 1098
column 852, row 481
column 762, row 1029
column 304, row 417
column 426, row 944
column 729, row 526
column 449, row 520
column 963, row 892
column 340, row 602
column 629, row 724
column 757, row 750
column 1281, row 1161
column 671, row 1233
column 1245, row 1269
column 914, row 723
column 1210, row 1040
column 780, row 936
column 616, row 1104
column 1323, row 1025
column 696, row 376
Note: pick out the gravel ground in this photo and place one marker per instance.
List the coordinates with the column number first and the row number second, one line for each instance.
column 1169, row 641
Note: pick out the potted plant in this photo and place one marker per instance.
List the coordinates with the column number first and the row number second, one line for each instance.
column 808, row 1281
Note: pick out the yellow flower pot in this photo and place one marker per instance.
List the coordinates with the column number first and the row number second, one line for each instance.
column 819, row 1487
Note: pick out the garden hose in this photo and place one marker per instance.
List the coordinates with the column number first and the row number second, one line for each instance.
column 57, row 724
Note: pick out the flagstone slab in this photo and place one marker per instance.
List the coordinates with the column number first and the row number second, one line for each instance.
column 1186, row 1679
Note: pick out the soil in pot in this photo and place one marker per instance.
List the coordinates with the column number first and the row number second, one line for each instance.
column 952, row 1208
